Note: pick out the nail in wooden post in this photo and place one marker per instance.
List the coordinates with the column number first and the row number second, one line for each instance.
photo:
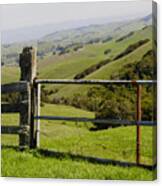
column 138, row 131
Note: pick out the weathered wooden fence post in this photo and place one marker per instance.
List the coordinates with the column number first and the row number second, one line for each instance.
column 28, row 73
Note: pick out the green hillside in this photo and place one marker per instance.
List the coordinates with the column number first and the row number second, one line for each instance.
column 69, row 39
column 54, row 67
column 68, row 65
column 106, row 71
column 10, row 74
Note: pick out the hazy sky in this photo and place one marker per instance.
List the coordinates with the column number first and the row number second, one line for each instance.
column 22, row 15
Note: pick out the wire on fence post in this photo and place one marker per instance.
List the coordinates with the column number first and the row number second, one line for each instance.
column 138, row 130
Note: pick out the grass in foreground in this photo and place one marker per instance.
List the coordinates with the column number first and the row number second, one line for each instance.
column 32, row 164
column 71, row 138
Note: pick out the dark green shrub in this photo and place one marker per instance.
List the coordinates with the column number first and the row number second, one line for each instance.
column 107, row 51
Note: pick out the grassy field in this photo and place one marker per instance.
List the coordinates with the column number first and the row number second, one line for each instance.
column 10, row 74
column 76, row 138
column 32, row 164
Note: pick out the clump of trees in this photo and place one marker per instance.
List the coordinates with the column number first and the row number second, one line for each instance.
column 143, row 69
column 131, row 48
column 77, row 47
column 113, row 102
column 46, row 93
column 65, row 51
column 144, row 27
column 93, row 41
column 92, row 69
column 125, row 36
column 62, row 50
column 107, row 51
column 119, row 101
column 107, row 39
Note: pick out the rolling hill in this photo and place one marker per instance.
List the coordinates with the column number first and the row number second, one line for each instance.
column 69, row 38
column 70, row 65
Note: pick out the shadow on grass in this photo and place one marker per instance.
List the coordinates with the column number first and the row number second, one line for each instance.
column 10, row 146
column 61, row 155
column 75, row 157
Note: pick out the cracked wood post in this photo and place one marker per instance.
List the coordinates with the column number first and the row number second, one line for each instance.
column 28, row 73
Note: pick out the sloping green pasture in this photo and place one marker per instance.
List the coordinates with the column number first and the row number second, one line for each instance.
column 76, row 139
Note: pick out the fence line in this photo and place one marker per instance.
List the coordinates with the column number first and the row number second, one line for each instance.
column 30, row 95
column 14, row 129
column 21, row 86
column 102, row 121
column 137, row 122
column 24, row 107
column 88, row 81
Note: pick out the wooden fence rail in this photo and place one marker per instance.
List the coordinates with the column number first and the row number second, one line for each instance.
column 15, row 129
column 13, row 108
column 21, row 86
